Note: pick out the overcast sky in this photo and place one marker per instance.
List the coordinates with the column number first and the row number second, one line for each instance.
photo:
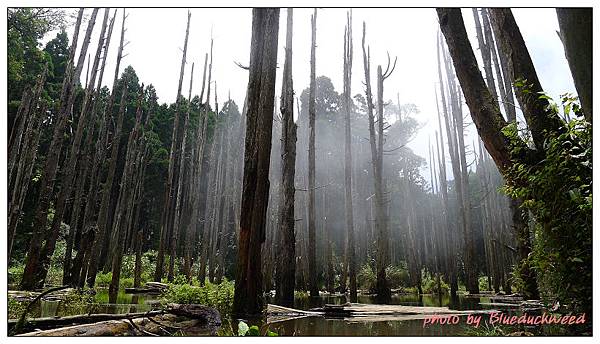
column 156, row 38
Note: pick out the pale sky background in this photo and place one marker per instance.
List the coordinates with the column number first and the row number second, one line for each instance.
column 156, row 38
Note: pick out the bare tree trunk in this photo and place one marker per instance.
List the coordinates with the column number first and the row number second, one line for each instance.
column 194, row 197
column 168, row 214
column 463, row 187
column 312, row 259
column 124, row 209
column 286, row 269
column 22, row 155
column 181, row 180
column 70, row 167
column 376, row 144
column 202, row 141
column 30, row 279
column 350, row 245
column 84, row 169
column 504, row 82
column 484, row 110
column 576, row 35
column 537, row 113
column 248, row 298
column 100, row 229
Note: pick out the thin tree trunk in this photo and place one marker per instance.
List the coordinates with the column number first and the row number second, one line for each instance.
column 30, row 279
column 312, row 259
column 23, row 155
column 350, row 245
column 100, row 229
column 167, row 217
column 538, row 115
column 38, row 265
column 286, row 269
column 124, row 209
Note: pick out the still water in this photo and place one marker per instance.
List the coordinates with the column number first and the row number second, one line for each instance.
column 311, row 326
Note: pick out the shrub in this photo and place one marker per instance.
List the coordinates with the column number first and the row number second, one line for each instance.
column 15, row 308
column 103, row 279
column 76, row 301
column 483, row 283
column 15, row 273
column 430, row 286
column 398, row 276
column 366, row 278
column 558, row 192
column 219, row 296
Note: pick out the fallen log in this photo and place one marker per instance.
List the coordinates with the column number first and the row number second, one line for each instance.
column 358, row 312
column 143, row 291
column 149, row 288
column 194, row 319
column 54, row 322
column 201, row 312
column 157, row 285
column 162, row 325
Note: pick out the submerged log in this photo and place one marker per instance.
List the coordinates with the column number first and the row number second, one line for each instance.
column 142, row 291
column 358, row 312
column 149, row 288
column 54, row 322
column 191, row 318
column 166, row 324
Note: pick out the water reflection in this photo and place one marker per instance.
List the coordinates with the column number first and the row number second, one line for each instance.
column 309, row 326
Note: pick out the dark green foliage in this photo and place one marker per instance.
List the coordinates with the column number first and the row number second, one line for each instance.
column 558, row 192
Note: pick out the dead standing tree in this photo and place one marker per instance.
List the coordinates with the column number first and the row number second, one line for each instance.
column 350, row 249
column 376, row 141
column 312, row 259
column 124, row 209
column 286, row 270
column 23, row 153
column 85, row 170
column 31, row 278
column 168, row 214
column 98, row 228
column 181, row 180
column 248, row 298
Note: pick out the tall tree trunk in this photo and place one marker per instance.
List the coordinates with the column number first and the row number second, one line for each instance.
column 286, row 269
column 448, row 241
column 30, row 275
column 180, row 183
column 168, row 214
column 576, row 35
column 312, row 259
column 484, row 109
column 504, row 82
column 195, row 190
column 85, row 170
column 124, row 209
column 23, row 155
column 538, row 115
column 470, row 262
column 98, row 232
column 376, row 144
column 248, row 298
column 348, row 206
column 51, row 236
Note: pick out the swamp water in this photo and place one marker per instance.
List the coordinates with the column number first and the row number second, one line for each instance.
column 308, row 326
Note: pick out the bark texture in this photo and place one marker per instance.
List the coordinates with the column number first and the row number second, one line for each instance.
column 248, row 297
